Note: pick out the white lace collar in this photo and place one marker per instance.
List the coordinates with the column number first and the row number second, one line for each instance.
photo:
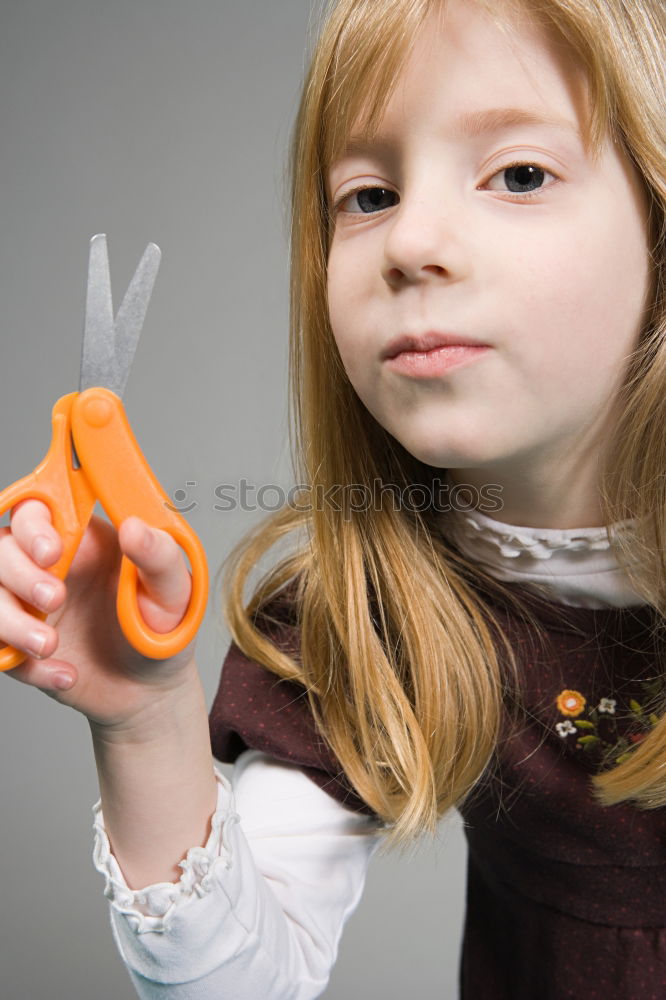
column 577, row 566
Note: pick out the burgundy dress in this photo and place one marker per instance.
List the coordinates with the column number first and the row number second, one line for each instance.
column 565, row 898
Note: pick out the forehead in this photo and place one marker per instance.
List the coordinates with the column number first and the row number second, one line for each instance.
column 459, row 59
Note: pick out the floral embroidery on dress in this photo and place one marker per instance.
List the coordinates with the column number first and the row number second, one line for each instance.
column 571, row 703
column 607, row 705
column 596, row 726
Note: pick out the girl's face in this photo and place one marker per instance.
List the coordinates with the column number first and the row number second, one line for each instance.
column 439, row 232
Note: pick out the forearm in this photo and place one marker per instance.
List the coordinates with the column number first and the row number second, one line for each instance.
column 157, row 786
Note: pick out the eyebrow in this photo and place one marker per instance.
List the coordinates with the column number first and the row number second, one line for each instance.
column 473, row 124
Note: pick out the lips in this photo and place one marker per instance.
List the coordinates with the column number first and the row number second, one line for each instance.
column 427, row 342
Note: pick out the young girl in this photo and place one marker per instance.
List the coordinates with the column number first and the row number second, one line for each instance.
column 478, row 324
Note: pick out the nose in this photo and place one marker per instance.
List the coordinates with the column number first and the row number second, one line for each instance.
column 424, row 242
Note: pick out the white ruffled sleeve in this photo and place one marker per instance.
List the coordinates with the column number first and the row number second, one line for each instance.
column 260, row 908
column 151, row 909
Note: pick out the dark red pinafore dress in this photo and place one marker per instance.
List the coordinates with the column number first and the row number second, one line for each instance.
column 565, row 898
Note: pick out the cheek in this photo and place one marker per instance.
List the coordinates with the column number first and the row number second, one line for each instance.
column 579, row 299
column 346, row 301
column 335, row 299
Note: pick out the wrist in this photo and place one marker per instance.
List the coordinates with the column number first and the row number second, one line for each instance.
column 157, row 784
column 166, row 716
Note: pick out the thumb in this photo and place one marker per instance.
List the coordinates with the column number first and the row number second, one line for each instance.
column 164, row 579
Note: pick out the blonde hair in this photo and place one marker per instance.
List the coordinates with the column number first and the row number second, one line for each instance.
column 399, row 656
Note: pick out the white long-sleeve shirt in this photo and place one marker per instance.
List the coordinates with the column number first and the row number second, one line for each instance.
column 259, row 909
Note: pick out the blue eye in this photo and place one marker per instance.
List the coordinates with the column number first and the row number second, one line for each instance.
column 523, row 175
column 523, row 178
column 368, row 200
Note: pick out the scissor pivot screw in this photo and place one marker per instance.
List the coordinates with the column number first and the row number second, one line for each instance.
column 97, row 412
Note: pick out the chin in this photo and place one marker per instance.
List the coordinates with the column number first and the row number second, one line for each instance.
column 445, row 455
column 444, row 439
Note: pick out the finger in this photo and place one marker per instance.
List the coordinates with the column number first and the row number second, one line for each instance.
column 54, row 677
column 32, row 527
column 24, row 631
column 23, row 577
column 165, row 579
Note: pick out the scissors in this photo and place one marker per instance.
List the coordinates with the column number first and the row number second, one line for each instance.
column 94, row 456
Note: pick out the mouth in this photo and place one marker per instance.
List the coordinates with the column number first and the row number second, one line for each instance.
column 423, row 343
column 438, row 361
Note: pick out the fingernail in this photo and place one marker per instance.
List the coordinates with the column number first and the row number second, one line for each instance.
column 148, row 538
column 63, row 681
column 41, row 548
column 36, row 642
column 42, row 595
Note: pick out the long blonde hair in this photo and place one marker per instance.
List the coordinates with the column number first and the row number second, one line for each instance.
column 399, row 656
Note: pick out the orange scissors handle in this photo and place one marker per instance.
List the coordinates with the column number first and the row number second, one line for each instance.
column 66, row 492
column 125, row 485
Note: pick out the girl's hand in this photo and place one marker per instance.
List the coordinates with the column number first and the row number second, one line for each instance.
column 85, row 661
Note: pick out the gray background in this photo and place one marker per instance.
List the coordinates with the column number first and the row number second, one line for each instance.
column 167, row 121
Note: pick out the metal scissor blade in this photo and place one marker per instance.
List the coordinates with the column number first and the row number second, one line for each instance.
column 132, row 314
column 108, row 347
column 98, row 351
